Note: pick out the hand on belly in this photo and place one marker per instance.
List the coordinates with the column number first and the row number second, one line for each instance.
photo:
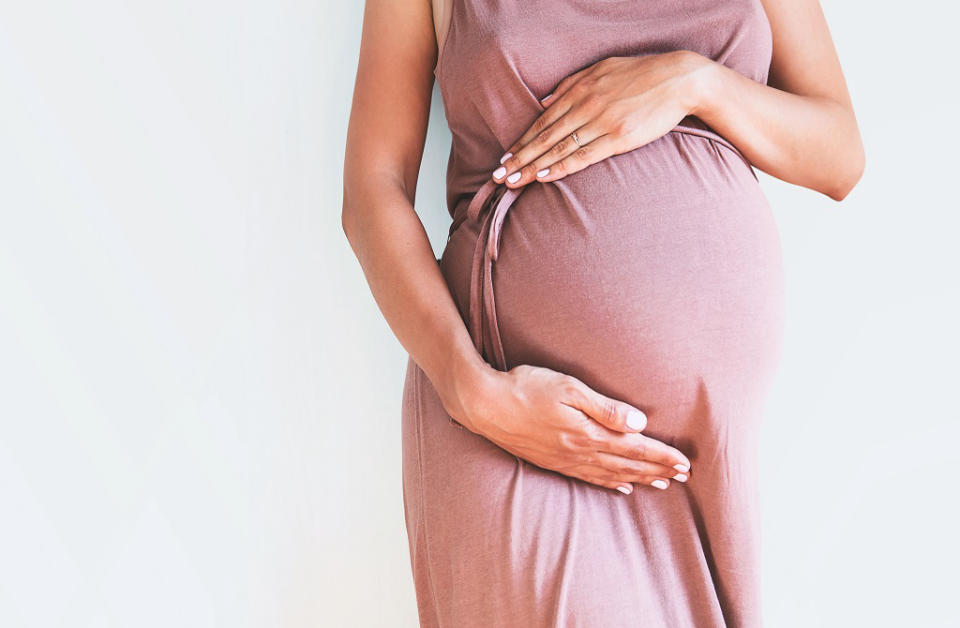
column 611, row 107
column 557, row 422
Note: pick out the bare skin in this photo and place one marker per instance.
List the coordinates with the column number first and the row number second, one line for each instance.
column 800, row 128
column 548, row 418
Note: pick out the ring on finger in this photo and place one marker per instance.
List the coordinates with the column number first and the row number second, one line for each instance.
column 580, row 142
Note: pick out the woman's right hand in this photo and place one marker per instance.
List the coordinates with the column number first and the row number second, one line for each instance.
column 557, row 422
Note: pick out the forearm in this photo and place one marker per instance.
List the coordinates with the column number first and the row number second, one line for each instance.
column 810, row 141
column 394, row 252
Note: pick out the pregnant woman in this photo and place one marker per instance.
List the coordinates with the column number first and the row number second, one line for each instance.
column 590, row 357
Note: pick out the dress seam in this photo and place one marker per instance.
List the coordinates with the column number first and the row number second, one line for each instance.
column 423, row 517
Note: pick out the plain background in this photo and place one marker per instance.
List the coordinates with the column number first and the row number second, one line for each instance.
column 199, row 418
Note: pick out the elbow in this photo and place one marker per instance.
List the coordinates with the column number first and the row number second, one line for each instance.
column 345, row 221
column 851, row 175
column 346, row 215
column 349, row 225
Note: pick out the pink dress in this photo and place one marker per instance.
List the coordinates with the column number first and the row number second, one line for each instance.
column 655, row 277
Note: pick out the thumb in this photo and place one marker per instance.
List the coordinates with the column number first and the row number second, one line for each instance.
column 608, row 412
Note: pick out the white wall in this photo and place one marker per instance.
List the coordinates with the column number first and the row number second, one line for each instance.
column 199, row 417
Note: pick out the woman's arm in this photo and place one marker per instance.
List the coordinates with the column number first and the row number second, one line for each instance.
column 385, row 140
column 548, row 418
column 800, row 127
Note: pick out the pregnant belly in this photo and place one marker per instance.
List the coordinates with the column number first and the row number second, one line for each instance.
column 648, row 275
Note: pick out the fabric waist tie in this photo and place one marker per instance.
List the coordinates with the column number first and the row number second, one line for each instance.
column 489, row 205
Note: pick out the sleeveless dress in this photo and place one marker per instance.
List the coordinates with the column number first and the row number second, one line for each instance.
column 653, row 276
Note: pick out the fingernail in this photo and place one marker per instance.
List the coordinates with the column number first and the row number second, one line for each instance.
column 681, row 467
column 544, row 172
column 681, row 477
column 514, row 177
column 506, row 157
column 659, row 484
column 626, row 490
column 499, row 172
column 547, row 96
column 636, row 420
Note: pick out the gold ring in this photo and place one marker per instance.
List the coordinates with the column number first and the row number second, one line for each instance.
column 575, row 138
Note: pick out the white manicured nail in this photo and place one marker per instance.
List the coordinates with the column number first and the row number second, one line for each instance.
column 681, row 477
column 626, row 490
column 681, row 467
column 659, row 483
column 547, row 96
column 544, row 172
column 636, row 420
column 514, row 177
column 499, row 172
column 506, row 157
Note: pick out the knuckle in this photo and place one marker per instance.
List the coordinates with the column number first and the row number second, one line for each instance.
column 583, row 153
column 564, row 442
column 603, row 81
column 570, row 388
column 521, row 370
column 579, row 443
column 606, row 475
column 621, row 468
column 616, row 126
column 596, row 441
column 590, row 100
column 630, row 468
column 541, row 139
column 608, row 411
column 539, row 124
column 588, row 80
column 561, row 147
column 641, row 451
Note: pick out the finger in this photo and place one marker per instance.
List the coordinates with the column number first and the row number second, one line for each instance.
column 546, row 167
column 558, row 108
column 540, row 169
column 564, row 86
column 658, row 482
column 551, row 129
column 642, row 447
column 641, row 471
column 525, row 163
column 542, row 124
column 608, row 412
column 624, row 487
column 590, row 153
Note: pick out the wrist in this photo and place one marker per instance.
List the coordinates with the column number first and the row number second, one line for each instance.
column 466, row 391
column 701, row 83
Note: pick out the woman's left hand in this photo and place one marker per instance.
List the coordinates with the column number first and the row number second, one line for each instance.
column 614, row 106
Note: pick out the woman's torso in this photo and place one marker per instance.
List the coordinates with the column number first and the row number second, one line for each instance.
column 646, row 273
